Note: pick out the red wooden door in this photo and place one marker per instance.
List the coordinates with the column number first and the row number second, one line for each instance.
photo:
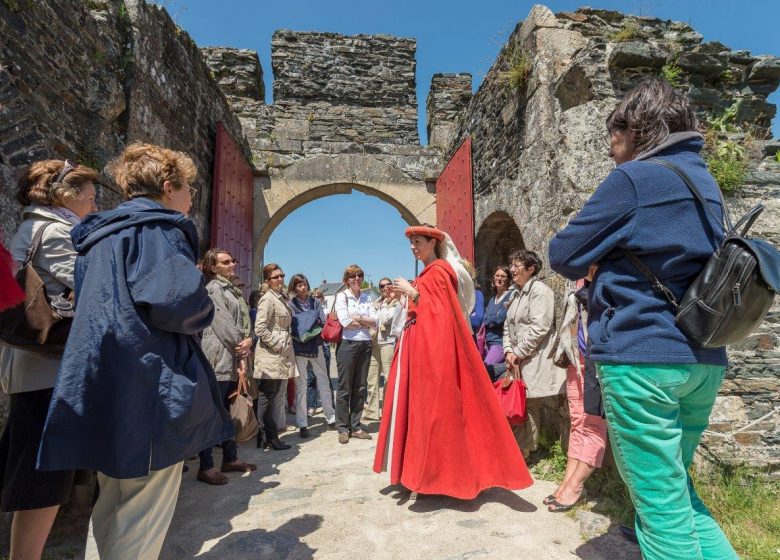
column 455, row 200
column 232, row 205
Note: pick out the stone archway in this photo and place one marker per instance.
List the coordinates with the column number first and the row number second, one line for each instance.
column 280, row 194
column 497, row 237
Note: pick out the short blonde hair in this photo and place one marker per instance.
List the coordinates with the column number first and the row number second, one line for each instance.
column 350, row 270
column 141, row 169
column 39, row 184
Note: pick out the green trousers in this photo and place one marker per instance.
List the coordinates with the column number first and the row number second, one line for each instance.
column 656, row 414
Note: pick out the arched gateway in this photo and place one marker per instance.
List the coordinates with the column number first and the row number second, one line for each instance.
column 279, row 195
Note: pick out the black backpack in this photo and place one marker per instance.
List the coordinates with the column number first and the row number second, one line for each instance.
column 734, row 290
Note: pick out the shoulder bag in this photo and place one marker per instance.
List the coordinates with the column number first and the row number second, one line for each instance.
column 332, row 330
column 40, row 323
column 735, row 289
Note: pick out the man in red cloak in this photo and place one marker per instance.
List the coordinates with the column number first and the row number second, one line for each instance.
column 443, row 430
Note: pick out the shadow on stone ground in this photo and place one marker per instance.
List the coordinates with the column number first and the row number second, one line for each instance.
column 325, row 502
column 432, row 503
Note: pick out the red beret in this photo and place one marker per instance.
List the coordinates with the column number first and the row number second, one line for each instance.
column 427, row 231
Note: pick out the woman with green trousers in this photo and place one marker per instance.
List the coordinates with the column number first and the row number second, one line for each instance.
column 658, row 386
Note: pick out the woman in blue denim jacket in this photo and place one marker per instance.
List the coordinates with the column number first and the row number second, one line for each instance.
column 659, row 387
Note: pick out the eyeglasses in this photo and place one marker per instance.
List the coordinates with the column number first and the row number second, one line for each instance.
column 193, row 191
column 276, row 277
column 383, row 286
column 229, row 261
column 353, row 276
column 66, row 168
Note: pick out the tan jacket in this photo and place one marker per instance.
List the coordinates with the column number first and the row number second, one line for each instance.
column 274, row 358
column 528, row 334
column 22, row 370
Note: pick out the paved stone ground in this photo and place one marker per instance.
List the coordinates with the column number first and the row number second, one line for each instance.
column 321, row 500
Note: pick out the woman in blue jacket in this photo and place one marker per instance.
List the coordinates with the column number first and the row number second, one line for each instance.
column 659, row 387
column 135, row 395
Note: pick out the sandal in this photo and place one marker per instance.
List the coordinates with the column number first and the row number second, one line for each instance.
column 557, row 507
column 549, row 499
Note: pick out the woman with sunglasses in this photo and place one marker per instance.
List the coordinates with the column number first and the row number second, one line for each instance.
column 357, row 316
column 274, row 359
column 55, row 195
column 389, row 320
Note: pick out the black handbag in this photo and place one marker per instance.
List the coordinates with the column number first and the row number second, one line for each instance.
column 41, row 323
column 735, row 289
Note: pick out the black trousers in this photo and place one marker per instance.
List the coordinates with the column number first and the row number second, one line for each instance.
column 352, row 360
column 229, row 447
column 266, row 390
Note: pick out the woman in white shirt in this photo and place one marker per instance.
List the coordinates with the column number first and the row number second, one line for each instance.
column 357, row 315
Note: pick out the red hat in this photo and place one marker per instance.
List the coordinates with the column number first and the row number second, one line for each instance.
column 426, row 231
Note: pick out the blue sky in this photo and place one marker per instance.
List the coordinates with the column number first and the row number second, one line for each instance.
column 452, row 36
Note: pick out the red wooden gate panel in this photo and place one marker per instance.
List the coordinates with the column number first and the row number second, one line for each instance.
column 232, row 205
column 455, row 200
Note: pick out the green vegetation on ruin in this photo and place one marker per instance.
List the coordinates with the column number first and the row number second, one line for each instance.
column 727, row 159
column 672, row 73
column 520, row 65
column 627, row 32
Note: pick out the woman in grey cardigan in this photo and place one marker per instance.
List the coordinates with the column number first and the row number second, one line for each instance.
column 227, row 344
column 56, row 195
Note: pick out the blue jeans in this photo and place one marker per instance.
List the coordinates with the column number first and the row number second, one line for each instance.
column 656, row 414
column 312, row 398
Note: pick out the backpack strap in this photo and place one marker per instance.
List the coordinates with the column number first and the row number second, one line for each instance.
column 654, row 281
column 707, row 206
column 637, row 262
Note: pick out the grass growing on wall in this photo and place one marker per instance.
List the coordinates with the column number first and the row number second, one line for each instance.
column 520, row 65
column 627, row 32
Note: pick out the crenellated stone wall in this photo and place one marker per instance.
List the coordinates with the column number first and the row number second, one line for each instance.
column 82, row 83
column 540, row 148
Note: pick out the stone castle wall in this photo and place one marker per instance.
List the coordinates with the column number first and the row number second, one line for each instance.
column 540, row 148
column 82, row 83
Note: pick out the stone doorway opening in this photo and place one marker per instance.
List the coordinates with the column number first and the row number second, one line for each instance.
column 497, row 238
column 325, row 231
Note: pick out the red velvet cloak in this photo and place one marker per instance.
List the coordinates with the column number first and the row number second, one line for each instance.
column 450, row 437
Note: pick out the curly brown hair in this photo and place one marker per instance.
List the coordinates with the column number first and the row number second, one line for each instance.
column 141, row 169
column 652, row 111
column 39, row 184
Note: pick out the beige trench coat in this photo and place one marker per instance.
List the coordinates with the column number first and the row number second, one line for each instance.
column 274, row 358
column 528, row 334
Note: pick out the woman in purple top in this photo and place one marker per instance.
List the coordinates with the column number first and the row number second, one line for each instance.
column 495, row 315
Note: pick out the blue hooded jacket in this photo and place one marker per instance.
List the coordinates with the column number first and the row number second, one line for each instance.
column 134, row 390
column 644, row 207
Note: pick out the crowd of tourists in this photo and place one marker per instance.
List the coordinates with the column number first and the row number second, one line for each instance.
column 161, row 343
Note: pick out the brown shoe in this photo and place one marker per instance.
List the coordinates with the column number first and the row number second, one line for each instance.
column 360, row 434
column 238, row 466
column 343, row 437
column 215, row 478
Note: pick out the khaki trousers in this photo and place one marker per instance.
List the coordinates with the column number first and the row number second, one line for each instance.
column 527, row 433
column 132, row 515
column 381, row 358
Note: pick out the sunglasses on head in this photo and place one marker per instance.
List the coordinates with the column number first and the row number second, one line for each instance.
column 66, row 168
